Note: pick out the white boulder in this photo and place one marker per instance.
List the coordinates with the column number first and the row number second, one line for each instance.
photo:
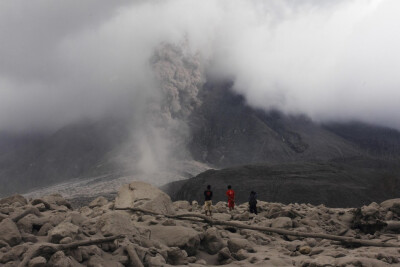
column 145, row 196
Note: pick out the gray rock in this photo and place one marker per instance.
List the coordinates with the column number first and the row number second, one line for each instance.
column 389, row 216
column 41, row 204
column 212, row 241
column 88, row 251
column 37, row 262
column 61, row 231
column 76, row 218
column 169, row 222
column 224, row 256
column 66, row 240
column 282, row 222
column 144, row 195
column 29, row 238
column 57, row 200
column 240, row 255
column 41, row 207
column 181, row 205
column 26, row 224
column 6, row 210
column 98, row 202
column 177, row 256
column 305, row 250
column 56, row 219
column 294, row 245
column 97, row 261
column 221, row 207
column 177, row 236
column 316, row 251
column 4, row 244
column 7, row 257
column 44, row 230
column 311, row 242
column 157, row 261
column 245, row 216
column 116, row 223
column 235, row 244
column 14, row 199
column 59, row 259
column 9, row 232
column 390, row 203
column 370, row 210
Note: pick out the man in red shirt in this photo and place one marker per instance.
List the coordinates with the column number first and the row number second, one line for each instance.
column 231, row 198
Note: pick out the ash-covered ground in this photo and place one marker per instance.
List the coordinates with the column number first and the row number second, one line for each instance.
column 48, row 231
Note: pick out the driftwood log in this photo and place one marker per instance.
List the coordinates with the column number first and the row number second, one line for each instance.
column 209, row 220
column 37, row 249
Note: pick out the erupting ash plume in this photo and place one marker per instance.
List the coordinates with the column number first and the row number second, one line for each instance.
column 163, row 133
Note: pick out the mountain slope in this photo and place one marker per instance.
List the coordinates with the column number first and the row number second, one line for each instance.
column 334, row 183
column 227, row 132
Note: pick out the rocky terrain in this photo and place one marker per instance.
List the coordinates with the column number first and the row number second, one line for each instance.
column 143, row 227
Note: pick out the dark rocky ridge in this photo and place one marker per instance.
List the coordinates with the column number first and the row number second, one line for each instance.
column 336, row 183
column 227, row 132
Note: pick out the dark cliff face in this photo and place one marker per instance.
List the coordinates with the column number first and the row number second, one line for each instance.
column 373, row 140
column 227, row 132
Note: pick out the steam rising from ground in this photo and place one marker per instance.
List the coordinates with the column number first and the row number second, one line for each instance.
column 63, row 61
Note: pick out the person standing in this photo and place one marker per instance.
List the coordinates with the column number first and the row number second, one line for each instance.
column 253, row 202
column 208, row 200
column 231, row 198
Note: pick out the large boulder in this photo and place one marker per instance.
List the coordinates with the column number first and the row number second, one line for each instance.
column 393, row 205
column 98, row 202
column 181, row 205
column 282, row 222
column 212, row 241
column 145, row 196
column 13, row 199
column 236, row 244
column 177, row 236
column 65, row 229
column 59, row 259
column 387, row 204
column 56, row 200
column 9, row 232
column 37, row 262
column 116, row 223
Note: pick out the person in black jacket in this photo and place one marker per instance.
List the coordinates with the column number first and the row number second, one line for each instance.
column 208, row 200
column 253, row 202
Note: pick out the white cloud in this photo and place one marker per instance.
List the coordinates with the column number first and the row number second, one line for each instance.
column 329, row 59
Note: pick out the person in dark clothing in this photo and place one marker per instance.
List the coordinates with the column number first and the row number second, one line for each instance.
column 253, row 202
column 208, row 200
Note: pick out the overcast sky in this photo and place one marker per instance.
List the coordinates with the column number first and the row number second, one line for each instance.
column 65, row 60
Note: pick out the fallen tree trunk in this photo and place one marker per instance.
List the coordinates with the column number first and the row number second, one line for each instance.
column 209, row 220
column 133, row 256
column 31, row 210
column 36, row 249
